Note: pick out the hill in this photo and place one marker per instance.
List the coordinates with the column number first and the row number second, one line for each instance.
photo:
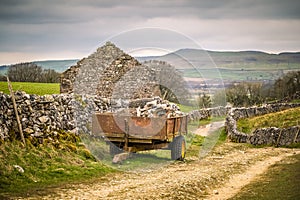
column 232, row 66
column 205, row 59
column 57, row 65
column 195, row 63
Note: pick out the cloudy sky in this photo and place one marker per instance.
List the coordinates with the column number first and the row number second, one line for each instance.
column 62, row 29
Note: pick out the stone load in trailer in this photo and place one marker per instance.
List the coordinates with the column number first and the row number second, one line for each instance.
column 148, row 124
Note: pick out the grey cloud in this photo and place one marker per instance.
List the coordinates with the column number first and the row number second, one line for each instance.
column 61, row 25
column 66, row 11
column 245, row 9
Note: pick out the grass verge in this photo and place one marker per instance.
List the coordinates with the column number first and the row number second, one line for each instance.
column 45, row 166
column 281, row 181
column 32, row 88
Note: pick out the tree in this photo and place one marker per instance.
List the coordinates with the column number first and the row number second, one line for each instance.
column 245, row 94
column 204, row 101
column 254, row 93
column 237, row 95
column 287, row 86
column 219, row 98
column 30, row 72
column 171, row 84
column 24, row 72
column 50, row 76
column 2, row 77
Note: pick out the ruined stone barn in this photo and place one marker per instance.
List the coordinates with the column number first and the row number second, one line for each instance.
column 111, row 73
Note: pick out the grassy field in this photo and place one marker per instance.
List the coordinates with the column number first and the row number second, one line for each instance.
column 281, row 181
column 281, row 119
column 32, row 88
column 241, row 71
column 242, row 74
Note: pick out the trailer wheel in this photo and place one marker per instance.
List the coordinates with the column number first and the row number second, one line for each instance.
column 178, row 148
column 114, row 149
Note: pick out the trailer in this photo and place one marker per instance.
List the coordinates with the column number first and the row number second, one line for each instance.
column 133, row 134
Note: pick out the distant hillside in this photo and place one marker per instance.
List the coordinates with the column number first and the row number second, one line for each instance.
column 57, row 65
column 233, row 66
column 3, row 69
column 203, row 59
column 195, row 63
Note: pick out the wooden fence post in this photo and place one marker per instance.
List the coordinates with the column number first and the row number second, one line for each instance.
column 16, row 110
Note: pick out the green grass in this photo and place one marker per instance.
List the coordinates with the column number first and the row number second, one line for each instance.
column 281, row 181
column 281, row 119
column 45, row 166
column 222, row 136
column 295, row 101
column 200, row 145
column 32, row 88
column 193, row 125
column 187, row 108
column 138, row 161
column 209, row 120
column 145, row 160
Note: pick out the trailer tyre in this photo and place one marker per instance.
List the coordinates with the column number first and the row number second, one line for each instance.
column 178, row 148
column 113, row 149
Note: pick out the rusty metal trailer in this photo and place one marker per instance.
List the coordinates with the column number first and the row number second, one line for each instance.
column 133, row 134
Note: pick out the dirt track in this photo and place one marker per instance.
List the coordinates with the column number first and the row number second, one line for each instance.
column 219, row 175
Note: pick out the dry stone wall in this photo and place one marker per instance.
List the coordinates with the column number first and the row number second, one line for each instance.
column 264, row 136
column 208, row 112
column 41, row 115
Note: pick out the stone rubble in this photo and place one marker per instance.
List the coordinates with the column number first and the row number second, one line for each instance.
column 19, row 168
column 103, row 71
column 84, row 77
column 158, row 108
